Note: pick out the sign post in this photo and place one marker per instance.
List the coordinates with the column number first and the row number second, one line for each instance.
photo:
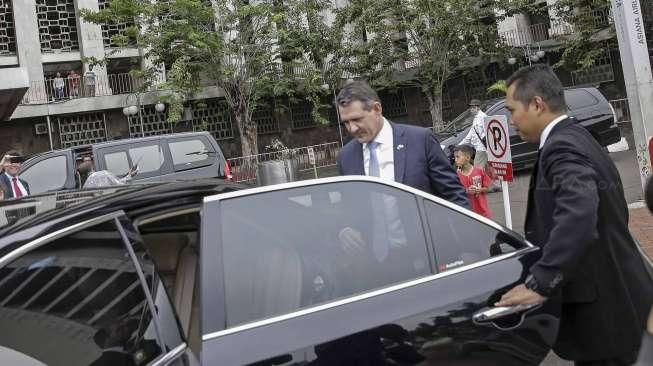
column 499, row 157
column 311, row 160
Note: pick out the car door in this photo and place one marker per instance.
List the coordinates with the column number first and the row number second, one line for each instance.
column 151, row 157
column 50, row 172
column 358, row 271
column 85, row 293
column 193, row 157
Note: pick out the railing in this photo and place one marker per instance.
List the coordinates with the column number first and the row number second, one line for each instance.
column 244, row 169
column 622, row 110
column 53, row 90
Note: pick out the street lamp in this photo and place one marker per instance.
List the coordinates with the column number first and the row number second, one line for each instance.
column 529, row 54
column 132, row 109
column 335, row 104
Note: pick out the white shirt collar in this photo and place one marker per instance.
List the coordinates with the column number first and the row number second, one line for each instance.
column 547, row 130
column 384, row 137
column 11, row 177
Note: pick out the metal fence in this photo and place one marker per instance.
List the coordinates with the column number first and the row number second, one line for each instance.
column 244, row 168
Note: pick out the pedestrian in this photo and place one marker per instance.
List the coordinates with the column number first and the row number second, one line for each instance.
column 577, row 214
column 89, row 81
column 473, row 178
column 646, row 352
column 59, row 86
column 73, row 84
column 406, row 154
column 10, row 183
column 476, row 134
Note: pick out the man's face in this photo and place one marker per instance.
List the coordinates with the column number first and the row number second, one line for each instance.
column 11, row 168
column 363, row 125
column 524, row 118
column 461, row 159
column 474, row 109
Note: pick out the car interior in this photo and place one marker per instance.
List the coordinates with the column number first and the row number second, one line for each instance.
column 172, row 241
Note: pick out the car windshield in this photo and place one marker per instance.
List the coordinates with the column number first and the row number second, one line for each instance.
column 462, row 121
column 17, row 211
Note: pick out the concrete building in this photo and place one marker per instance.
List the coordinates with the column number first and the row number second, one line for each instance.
column 43, row 38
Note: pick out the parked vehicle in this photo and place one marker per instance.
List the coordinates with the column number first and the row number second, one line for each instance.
column 293, row 274
column 181, row 156
column 587, row 105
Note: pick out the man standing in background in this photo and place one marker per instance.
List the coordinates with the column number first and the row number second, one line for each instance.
column 11, row 185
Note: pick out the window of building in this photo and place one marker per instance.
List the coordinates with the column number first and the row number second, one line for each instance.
column 7, row 29
column 460, row 240
column 331, row 241
column 57, row 22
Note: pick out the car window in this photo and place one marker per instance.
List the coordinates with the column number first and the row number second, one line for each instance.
column 460, row 240
column 78, row 300
column 47, row 175
column 149, row 159
column 290, row 249
column 189, row 151
column 579, row 98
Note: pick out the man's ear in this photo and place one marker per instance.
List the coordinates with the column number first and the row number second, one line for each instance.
column 539, row 104
column 377, row 108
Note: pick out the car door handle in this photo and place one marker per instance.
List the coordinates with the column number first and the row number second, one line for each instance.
column 499, row 312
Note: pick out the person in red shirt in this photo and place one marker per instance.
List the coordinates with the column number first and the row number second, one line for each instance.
column 473, row 178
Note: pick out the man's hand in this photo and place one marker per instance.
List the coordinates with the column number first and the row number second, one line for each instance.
column 520, row 295
column 352, row 241
column 474, row 190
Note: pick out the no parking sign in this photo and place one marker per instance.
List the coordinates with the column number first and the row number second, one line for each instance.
column 498, row 146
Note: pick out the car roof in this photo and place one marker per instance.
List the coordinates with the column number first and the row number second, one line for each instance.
column 18, row 214
column 89, row 147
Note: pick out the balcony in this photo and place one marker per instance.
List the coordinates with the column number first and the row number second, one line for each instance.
column 552, row 30
column 46, row 91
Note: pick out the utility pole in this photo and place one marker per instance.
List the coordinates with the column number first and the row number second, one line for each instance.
column 636, row 64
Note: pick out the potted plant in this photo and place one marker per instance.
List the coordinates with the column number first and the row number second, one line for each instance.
column 281, row 167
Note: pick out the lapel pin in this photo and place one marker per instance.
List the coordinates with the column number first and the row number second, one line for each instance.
column 399, row 147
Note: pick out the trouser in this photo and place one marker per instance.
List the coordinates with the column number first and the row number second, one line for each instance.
column 625, row 360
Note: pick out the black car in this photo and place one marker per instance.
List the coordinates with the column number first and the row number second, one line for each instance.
column 586, row 105
column 295, row 274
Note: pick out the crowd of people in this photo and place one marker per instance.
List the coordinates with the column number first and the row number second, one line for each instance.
column 69, row 87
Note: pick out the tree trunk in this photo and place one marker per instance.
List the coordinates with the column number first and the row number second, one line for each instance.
column 435, row 107
column 248, row 136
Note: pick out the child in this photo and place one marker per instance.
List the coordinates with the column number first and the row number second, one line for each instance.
column 473, row 178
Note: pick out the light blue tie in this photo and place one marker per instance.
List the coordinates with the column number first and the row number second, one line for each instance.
column 373, row 170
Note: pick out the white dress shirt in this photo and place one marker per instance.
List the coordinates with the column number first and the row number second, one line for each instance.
column 478, row 129
column 23, row 191
column 547, row 130
column 384, row 152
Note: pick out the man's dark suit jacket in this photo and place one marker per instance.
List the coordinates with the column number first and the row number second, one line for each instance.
column 6, row 185
column 418, row 161
column 578, row 214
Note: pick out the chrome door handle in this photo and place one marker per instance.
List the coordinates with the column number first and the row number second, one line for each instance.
column 498, row 312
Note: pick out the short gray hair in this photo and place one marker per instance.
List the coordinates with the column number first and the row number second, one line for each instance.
column 358, row 91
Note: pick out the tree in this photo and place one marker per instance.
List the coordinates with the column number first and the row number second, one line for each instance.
column 240, row 46
column 436, row 38
column 593, row 33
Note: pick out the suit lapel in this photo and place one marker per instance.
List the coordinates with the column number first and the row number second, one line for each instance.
column 399, row 152
column 358, row 161
column 6, row 185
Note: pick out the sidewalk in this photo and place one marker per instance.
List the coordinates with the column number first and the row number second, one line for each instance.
column 641, row 225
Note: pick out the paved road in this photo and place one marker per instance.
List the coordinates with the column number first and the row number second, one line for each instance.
column 518, row 190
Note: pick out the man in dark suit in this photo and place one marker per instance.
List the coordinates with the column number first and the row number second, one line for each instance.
column 405, row 154
column 12, row 186
column 578, row 215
